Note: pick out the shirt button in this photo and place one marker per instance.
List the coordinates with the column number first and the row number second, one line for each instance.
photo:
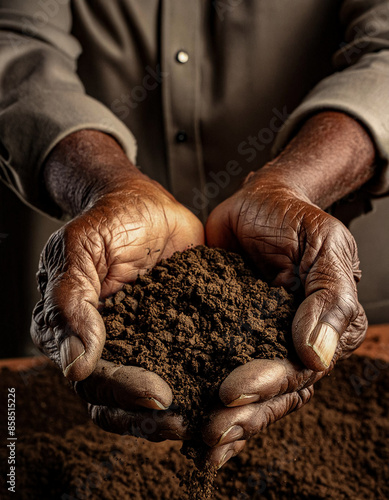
column 182, row 56
column 181, row 136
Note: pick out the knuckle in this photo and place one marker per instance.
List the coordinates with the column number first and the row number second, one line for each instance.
column 69, row 247
column 53, row 252
column 304, row 396
column 42, row 278
column 43, row 339
column 348, row 249
column 100, row 415
column 49, row 261
column 268, row 414
column 41, row 335
column 354, row 335
column 304, row 379
column 38, row 314
column 342, row 302
column 336, row 235
column 348, row 306
column 352, row 251
column 52, row 315
column 298, row 399
column 36, row 332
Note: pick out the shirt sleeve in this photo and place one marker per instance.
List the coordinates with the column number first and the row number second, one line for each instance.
column 360, row 85
column 42, row 99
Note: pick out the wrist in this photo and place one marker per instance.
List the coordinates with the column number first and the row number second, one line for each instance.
column 330, row 157
column 268, row 181
column 85, row 166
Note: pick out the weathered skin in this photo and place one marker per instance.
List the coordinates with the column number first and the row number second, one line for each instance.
column 124, row 223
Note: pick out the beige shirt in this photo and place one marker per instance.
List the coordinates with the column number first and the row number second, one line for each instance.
column 209, row 90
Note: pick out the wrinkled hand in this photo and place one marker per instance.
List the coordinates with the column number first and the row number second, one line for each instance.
column 123, row 234
column 293, row 243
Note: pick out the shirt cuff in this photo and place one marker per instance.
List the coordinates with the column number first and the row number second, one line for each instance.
column 41, row 123
column 361, row 92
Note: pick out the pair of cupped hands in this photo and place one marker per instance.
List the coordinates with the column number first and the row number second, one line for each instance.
column 125, row 227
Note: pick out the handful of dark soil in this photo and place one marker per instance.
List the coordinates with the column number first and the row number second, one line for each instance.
column 192, row 319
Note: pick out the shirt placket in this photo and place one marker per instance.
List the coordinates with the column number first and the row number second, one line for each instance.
column 181, row 66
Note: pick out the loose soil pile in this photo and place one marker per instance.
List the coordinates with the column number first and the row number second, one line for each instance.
column 334, row 447
column 193, row 319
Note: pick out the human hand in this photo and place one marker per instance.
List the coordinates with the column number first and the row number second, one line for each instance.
column 124, row 231
column 292, row 242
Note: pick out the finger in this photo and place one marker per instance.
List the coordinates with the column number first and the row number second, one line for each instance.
column 263, row 379
column 331, row 303
column 125, row 387
column 74, row 330
column 253, row 418
column 152, row 425
column 220, row 455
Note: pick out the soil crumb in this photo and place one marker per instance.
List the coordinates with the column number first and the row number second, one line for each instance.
column 334, row 447
column 192, row 319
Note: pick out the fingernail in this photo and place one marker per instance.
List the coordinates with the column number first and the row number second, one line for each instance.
column 229, row 454
column 150, row 403
column 70, row 351
column 323, row 340
column 244, row 399
column 234, row 433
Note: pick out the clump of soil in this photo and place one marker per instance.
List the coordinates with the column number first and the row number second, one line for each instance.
column 337, row 446
column 193, row 319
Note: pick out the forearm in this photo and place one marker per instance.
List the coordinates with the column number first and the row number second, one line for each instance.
column 83, row 166
column 330, row 157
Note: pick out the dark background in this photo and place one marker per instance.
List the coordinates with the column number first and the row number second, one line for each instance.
column 23, row 233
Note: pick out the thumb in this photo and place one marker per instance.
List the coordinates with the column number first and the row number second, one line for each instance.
column 319, row 323
column 77, row 325
column 331, row 305
column 66, row 324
